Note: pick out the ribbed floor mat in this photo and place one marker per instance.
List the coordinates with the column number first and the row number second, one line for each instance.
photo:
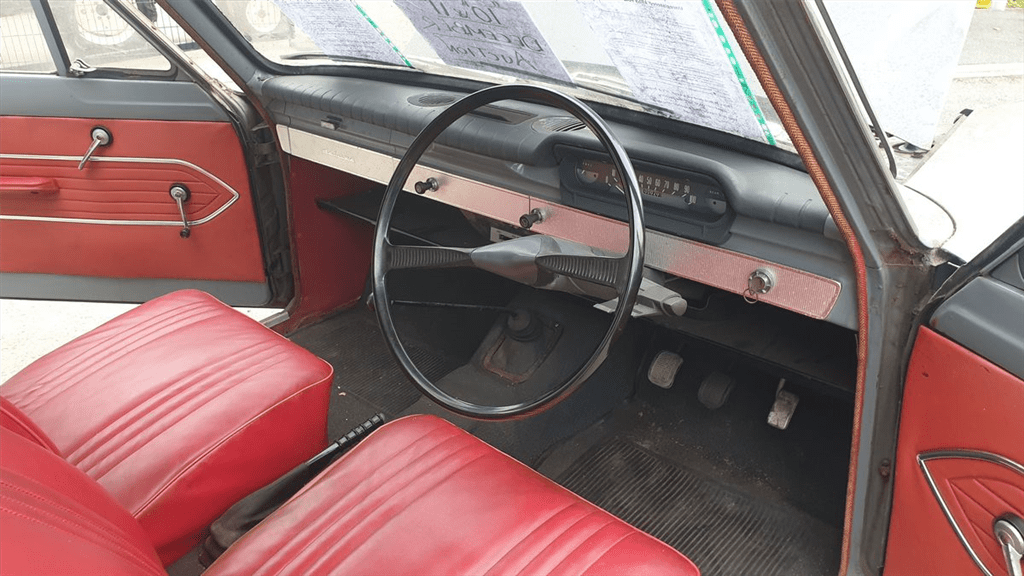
column 363, row 366
column 724, row 532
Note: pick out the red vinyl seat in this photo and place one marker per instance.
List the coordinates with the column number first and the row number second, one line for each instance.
column 421, row 496
column 56, row 520
column 418, row 497
column 178, row 408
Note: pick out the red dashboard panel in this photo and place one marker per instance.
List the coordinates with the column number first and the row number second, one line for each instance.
column 116, row 218
column 958, row 464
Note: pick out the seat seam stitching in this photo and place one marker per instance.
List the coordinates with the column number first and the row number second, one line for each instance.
column 107, row 338
column 340, row 503
column 528, row 535
column 223, row 441
column 141, row 333
column 404, row 508
column 184, row 397
column 119, row 547
column 564, row 531
column 606, row 550
column 56, row 504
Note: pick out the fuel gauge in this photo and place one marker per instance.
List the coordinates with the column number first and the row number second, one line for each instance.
column 588, row 171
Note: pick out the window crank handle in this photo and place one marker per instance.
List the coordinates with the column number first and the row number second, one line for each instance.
column 100, row 137
column 181, row 194
column 1009, row 532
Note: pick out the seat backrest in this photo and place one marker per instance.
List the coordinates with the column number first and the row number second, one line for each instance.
column 56, row 520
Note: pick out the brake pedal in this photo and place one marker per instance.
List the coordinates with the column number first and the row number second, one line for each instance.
column 663, row 369
column 714, row 390
column 783, row 408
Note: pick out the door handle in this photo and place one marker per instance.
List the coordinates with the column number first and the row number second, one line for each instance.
column 100, row 137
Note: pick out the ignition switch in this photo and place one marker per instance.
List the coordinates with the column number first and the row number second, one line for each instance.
column 760, row 281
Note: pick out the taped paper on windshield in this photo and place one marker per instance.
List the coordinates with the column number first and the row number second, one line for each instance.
column 671, row 57
column 340, row 28
column 489, row 35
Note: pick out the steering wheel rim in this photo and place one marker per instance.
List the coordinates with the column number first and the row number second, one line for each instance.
column 630, row 275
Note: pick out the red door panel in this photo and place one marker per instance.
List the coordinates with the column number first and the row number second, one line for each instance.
column 116, row 218
column 958, row 463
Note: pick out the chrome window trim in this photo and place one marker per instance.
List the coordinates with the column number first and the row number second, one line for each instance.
column 130, row 160
column 796, row 290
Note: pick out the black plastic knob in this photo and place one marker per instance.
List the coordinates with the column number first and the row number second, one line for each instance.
column 526, row 221
column 426, row 186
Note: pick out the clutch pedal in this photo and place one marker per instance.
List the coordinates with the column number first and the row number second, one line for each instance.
column 663, row 369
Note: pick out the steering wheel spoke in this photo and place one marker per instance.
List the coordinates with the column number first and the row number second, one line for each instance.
column 604, row 270
column 406, row 257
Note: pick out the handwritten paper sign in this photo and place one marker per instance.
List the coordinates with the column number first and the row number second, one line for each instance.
column 489, row 35
column 340, row 29
column 670, row 56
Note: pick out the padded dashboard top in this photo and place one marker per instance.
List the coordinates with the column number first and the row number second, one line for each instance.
column 385, row 117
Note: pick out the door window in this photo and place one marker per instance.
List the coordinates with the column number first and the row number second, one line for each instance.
column 22, row 45
column 95, row 34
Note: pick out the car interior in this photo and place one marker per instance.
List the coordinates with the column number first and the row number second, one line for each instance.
column 656, row 316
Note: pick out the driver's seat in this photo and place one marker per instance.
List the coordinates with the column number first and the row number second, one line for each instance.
column 419, row 496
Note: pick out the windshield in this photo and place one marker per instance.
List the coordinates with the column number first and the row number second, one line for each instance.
column 675, row 59
column 670, row 59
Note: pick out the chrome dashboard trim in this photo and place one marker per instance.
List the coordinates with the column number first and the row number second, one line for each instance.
column 795, row 290
column 130, row 160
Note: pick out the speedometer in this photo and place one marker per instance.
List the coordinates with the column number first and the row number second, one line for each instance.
column 684, row 193
column 676, row 200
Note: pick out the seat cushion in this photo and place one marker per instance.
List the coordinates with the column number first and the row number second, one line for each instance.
column 178, row 408
column 420, row 496
column 56, row 520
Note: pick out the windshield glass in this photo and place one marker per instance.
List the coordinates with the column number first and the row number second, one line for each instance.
column 675, row 59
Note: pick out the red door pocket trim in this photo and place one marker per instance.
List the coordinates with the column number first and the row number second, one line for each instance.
column 974, row 489
column 27, row 186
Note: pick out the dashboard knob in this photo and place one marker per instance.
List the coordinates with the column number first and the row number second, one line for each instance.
column 426, row 185
column 526, row 221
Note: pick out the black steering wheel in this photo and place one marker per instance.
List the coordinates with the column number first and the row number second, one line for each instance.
column 535, row 260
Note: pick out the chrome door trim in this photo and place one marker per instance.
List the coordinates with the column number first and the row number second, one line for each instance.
column 922, row 460
column 130, row 160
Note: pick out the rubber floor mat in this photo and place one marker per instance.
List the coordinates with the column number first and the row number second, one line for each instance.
column 364, row 367
column 722, row 531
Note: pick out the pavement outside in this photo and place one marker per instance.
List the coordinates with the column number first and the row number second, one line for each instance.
column 991, row 73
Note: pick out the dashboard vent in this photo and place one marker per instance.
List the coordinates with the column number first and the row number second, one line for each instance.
column 558, row 124
column 432, row 99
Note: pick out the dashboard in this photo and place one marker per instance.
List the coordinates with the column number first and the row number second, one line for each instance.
column 714, row 216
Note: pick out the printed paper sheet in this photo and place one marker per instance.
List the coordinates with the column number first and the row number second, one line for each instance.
column 338, row 28
column 670, row 56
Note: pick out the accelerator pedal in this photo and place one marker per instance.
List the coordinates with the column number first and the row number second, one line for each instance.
column 783, row 408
